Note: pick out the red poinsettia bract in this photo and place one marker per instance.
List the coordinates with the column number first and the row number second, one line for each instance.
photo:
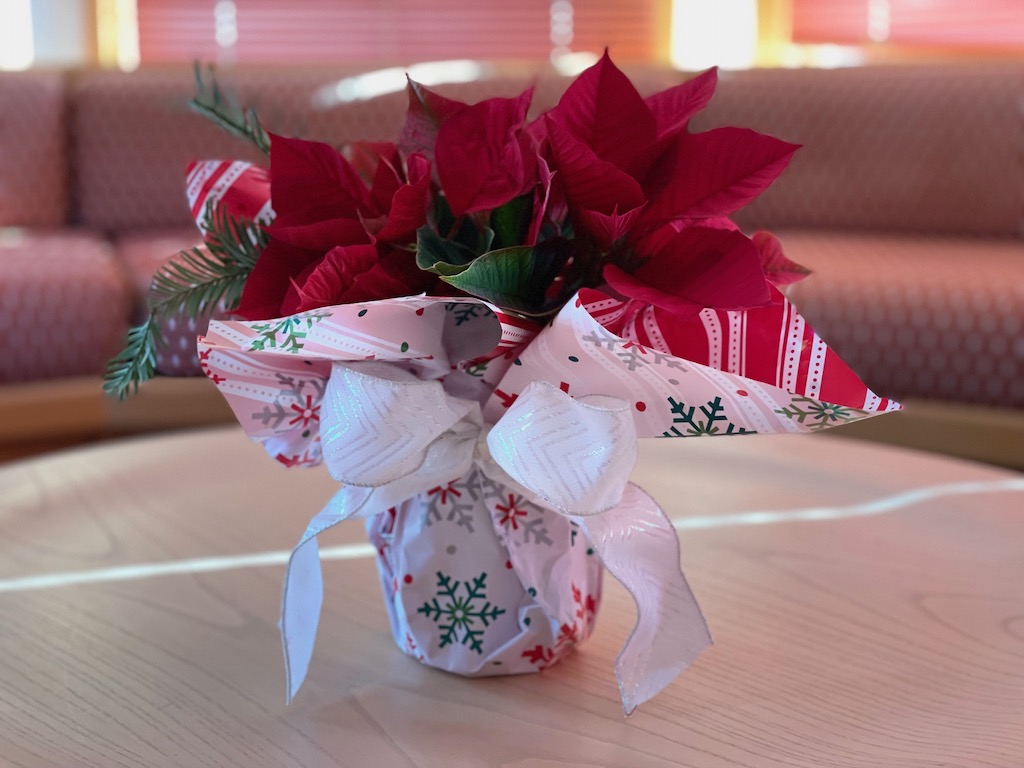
column 335, row 239
column 607, row 190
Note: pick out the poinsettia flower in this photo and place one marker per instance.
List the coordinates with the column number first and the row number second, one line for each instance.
column 628, row 165
column 714, row 173
column 695, row 268
column 483, row 157
column 590, row 183
column 603, row 110
column 333, row 232
column 426, row 113
column 356, row 273
column 778, row 268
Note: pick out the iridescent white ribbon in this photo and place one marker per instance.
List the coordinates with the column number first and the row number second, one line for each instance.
column 389, row 436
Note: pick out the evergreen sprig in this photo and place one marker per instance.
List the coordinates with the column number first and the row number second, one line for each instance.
column 193, row 284
column 211, row 102
column 135, row 363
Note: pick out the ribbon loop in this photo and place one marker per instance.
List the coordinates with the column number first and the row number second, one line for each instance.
column 575, row 455
column 390, row 436
column 377, row 421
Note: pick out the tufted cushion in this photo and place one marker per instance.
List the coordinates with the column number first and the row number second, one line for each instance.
column 134, row 133
column 33, row 151
column 134, row 136
column 911, row 148
column 64, row 303
column 938, row 318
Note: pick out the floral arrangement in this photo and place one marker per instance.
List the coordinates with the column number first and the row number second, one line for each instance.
column 471, row 327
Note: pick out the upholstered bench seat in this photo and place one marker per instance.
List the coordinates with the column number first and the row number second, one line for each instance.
column 941, row 317
column 63, row 303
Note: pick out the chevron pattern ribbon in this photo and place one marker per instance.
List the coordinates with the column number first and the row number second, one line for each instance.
column 389, row 436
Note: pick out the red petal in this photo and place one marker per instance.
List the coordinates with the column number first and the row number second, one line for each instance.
column 394, row 274
column 387, row 180
column 605, row 229
column 777, row 267
column 673, row 108
column 480, row 160
column 716, row 172
column 333, row 276
column 591, row 183
column 408, row 208
column 699, row 267
column 365, row 156
column 320, row 236
column 603, row 110
column 270, row 279
column 310, row 181
column 542, row 201
column 427, row 112
column 632, row 287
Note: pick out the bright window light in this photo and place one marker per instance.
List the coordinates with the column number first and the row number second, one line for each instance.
column 707, row 34
column 879, row 20
column 117, row 28
column 393, row 79
column 16, row 49
column 225, row 20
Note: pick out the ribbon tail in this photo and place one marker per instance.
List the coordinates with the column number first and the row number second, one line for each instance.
column 639, row 547
column 303, row 593
column 448, row 457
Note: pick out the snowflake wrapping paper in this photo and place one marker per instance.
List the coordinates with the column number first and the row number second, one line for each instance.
column 421, row 404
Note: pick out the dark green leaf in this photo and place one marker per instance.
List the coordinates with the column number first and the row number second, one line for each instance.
column 443, row 218
column 472, row 234
column 511, row 222
column 516, row 279
column 435, row 254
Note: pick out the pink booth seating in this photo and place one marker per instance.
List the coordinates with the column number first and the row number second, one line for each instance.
column 905, row 201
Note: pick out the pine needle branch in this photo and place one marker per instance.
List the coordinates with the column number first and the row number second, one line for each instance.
column 201, row 278
column 212, row 103
column 192, row 284
column 135, row 363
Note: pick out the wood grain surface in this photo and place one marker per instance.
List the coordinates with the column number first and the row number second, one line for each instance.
column 873, row 615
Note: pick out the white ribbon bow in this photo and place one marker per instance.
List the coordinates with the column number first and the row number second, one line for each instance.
column 389, row 436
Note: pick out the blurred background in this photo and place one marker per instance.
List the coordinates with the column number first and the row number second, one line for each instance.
column 686, row 34
column 906, row 198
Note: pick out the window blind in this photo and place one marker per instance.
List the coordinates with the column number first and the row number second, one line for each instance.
column 392, row 32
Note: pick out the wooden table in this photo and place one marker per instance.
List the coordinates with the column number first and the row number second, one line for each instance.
column 873, row 615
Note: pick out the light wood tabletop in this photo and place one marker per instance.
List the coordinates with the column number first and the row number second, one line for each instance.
column 867, row 606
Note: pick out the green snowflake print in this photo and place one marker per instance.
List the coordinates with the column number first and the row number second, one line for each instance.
column 461, row 618
column 476, row 369
column 817, row 414
column 285, row 335
column 709, row 420
column 463, row 313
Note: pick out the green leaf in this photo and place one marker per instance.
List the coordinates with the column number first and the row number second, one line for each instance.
column 443, row 218
column 472, row 233
column 511, row 222
column 516, row 279
column 437, row 255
